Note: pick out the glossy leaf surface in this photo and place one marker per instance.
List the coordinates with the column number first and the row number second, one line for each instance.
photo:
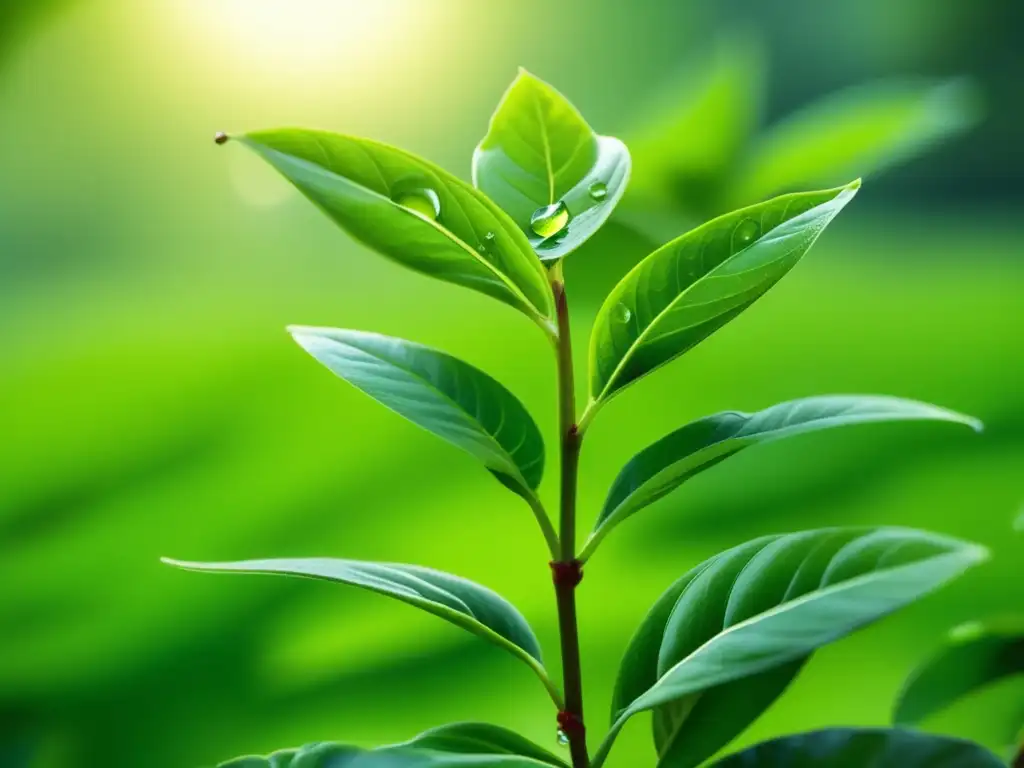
column 412, row 212
column 454, row 599
column 854, row 133
column 440, row 393
column 975, row 656
column 481, row 739
column 689, row 288
column 860, row 748
column 768, row 603
column 538, row 151
column 664, row 466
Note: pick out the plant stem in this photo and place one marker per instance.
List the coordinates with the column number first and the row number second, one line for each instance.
column 565, row 584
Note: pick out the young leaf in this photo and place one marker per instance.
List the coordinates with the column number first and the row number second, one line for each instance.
column 861, row 747
column 691, row 287
column 856, row 131
column 412, row 212
column 538, row 153
column 662, row 467
column 457, row 600
column 976, row 655
column 481, row 739
column 768, row 603
column 442, row 394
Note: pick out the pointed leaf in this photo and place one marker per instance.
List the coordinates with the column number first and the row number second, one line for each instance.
column 977, row 654
column 771, row 602
column 440, row 393
column 862, row 747
column 662, row 467
column 691, row 287
column 855, row 132
column 412, row 212
column 457, row 600
column 539, row 151
column 481, row 739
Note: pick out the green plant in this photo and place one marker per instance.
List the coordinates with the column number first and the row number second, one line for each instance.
column 727, row 638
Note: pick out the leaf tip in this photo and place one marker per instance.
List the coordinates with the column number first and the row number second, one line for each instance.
column 303, row 334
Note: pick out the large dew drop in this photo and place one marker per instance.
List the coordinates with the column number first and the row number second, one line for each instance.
column 562, row 738
column 621, row 313
column 746, row 232
column 424, row 201
column 549, row 220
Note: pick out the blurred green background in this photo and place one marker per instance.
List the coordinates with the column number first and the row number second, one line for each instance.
column 151, row 403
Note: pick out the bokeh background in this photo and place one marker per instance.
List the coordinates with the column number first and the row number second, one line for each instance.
column 151, row 403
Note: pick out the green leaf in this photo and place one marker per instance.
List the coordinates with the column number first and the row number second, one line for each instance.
column 481, row 739
column 662, row 467
column 691, row 287
column 442, row 394
column 765, row 604
column 539, row 151
column 855, row 132
column 976, row 655
column 412, row 212
column 338, row 756
column 861, row 747
column 457, row 600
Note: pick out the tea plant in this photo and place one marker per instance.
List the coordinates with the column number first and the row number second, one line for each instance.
column 726, row 639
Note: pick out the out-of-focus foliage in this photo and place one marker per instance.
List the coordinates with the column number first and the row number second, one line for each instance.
column 700, row 152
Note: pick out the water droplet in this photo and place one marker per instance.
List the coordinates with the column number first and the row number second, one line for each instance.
column 424, row 201
column 598, row 190
column 746, row 231
column 549, row 220
column 622, row 313
column 220, row 137
column 562, row 738
column 489, row 238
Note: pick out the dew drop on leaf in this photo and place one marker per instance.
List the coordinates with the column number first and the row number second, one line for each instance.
column 424, row 201
column 549, row 220
column 621, row 313
column 598, row 190
column 746, row 231
column 562, row 738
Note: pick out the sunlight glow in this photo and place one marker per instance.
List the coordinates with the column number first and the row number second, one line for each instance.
column 307, row 35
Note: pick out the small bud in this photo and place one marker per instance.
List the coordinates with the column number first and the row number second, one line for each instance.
column 220, row 137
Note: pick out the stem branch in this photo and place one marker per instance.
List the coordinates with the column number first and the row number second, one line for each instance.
column 566, row 570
